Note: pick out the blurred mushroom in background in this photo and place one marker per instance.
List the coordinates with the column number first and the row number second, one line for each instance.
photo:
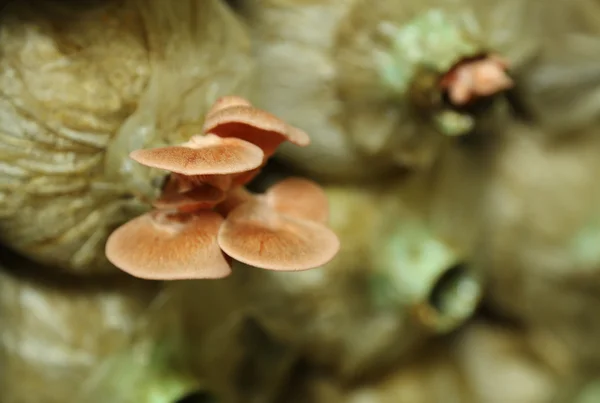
column 84, row 84
column 370, row 81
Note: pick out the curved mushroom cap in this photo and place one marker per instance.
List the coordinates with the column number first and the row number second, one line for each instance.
column 256, row 235
column 243, row 178
column 254, row 125
column 300, row 198
column 200, row 197
column 226, row 102
column 183, row 183
column 169, row 246
column 203, row 155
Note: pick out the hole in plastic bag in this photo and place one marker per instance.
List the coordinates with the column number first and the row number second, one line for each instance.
column 200, row 396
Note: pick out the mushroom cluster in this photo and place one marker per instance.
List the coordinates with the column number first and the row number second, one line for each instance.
column 205, row 217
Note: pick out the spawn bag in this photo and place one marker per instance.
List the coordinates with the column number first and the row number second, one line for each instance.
column 55, row 334
column 361, row 116
column 82, row 85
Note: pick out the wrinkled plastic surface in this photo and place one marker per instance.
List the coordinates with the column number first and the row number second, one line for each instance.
column 562, row 89
column 54, row 335
column 82, row 85
column 328, row 83
column 540, row 240
column 385, row 292
column 482, row 364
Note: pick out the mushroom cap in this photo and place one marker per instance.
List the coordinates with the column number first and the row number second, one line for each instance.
column 300, row 198
column 200, row 197
column 489, row 78
column 476, row 78
column 169, row 246
column 226, row 102
column 254, row 125
column 203, row 155
column 222, row 182
column 243, row 178
column 257, row 235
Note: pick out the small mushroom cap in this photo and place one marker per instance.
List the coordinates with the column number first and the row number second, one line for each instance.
column 477, row 78
column 490, row 78
column 254, row 125
column 300, row 198
column 169, row 246
column 200, row 197
column 226, row 102
column 203, row 155
column 256, row 235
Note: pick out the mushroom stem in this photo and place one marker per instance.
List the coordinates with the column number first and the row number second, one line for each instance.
column 203, row 197
column 236, row 197
column 245, row 177
column 188, row 182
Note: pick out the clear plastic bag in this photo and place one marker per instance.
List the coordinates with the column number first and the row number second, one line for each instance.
column 562, row 90
column 82, row 85
column 394, row 282
column 55, row 334
column 329, row 83
column 539, row 247
column 474, row 366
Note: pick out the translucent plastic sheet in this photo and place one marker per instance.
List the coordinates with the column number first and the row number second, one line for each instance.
column 83, row 84
column 327, row 81
column 398, row 280
column 483, row 363
column 239, row 359
column 54, row 335
column 563, row 89
column 539, row 247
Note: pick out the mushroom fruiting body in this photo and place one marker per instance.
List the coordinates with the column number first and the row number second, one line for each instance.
column 226, row 102
column 203, row 155
column 260, row 236
column 205, row 217
column 203, row 196
column 300, row 198
column 253, row 125
column 235, row 117
column 476, row 78
column 160, row 245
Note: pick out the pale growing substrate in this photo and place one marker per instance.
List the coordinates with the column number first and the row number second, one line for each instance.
column 482, row 363
column 82, row 85
column 399, row 278
column 561, row 90
column 55, row 334
column 539, row 246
